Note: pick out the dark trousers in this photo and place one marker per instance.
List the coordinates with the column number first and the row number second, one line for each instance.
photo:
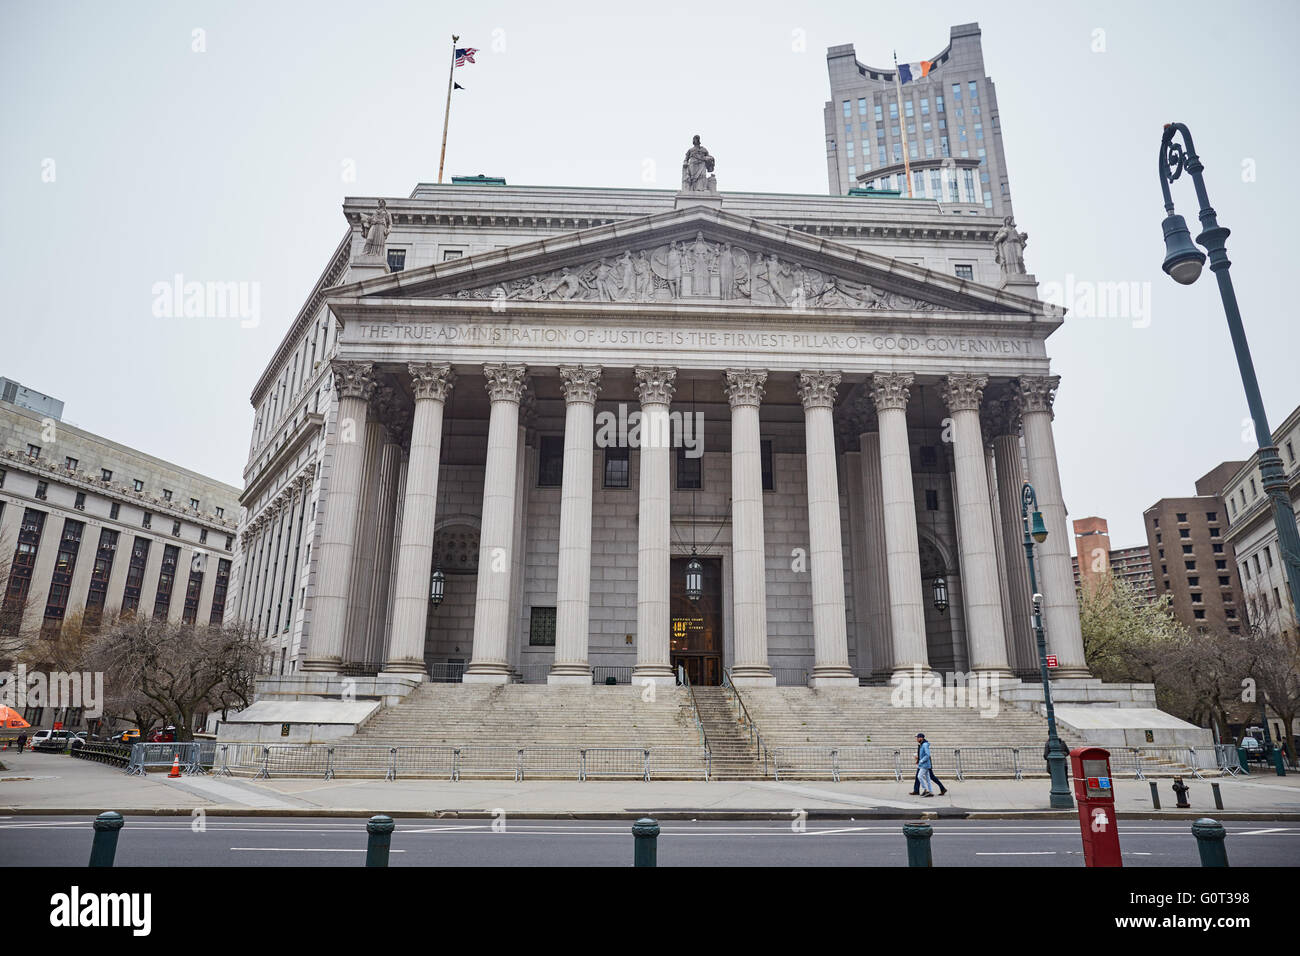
column 916, row 781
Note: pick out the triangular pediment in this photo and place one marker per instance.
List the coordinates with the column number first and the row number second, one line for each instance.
column 697, row 255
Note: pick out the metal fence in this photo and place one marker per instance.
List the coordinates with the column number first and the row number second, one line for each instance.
column 145, row 757
column 119, row 755
column 328, row 761
column 790, row 676
column 1163, row 761
column 447, row 672
column 621, row 673
column 865, row 761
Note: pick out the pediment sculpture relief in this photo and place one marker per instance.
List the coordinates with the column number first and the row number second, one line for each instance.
column 699, row 269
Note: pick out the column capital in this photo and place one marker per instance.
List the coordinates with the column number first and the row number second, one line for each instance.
column 506, row 383
column 817, row 388
column 353, row 379
column 963, row 391
column 580, row 383
column 382, row 402
column 655, row 384
column 1035, row 393
column 891, row 390
column 744, row 386
column 1000, row 415
column 431, row 380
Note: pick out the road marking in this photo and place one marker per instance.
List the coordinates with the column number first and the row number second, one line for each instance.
column 1019, row 853
column 1262, row 832
column 302, row 849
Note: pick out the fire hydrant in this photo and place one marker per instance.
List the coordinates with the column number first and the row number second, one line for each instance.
column 1180, row 791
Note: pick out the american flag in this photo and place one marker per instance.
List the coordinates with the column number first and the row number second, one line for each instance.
column 465, row 55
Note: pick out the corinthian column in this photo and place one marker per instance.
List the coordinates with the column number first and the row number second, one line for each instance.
column 744, row 388
column 491, row 662
column 876, row 573
column 890, row 392
column 654, row 386
column 580, row 384
column 1055, row 572
column 986, row 632
column 1004, row 434
column 354, row 382
column 430, row 385
column 830, row 631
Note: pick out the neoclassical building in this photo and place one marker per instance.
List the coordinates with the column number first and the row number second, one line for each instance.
column 566, row 434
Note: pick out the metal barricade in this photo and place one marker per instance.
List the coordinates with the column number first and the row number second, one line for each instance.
column 294, row 760
column 489, row 762
column 420, row 761
column 1228, row 759
column 677, row 761
column 163, row 755
column 607, row 762
column 552, row 762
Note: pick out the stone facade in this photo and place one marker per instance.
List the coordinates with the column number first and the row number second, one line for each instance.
column 837, row 373
column 89, row 525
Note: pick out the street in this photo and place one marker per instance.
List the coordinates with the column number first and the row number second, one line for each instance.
column 236, row 841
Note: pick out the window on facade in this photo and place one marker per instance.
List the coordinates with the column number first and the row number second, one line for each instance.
column 194, row 503
column 1191, row 565
column 1290, row 453
column 1225, row 581
column 1187, row 549
column 965, row 272
column 70, row 463
column 203, row 536
column 167, row 495
column 114, row 510
column 221, row 512
column 550, row 462
column 396, row 260
column 176, row 529
column 1198, row 613
column 1268, row 554
column 105, row 475
column 541, row 627
column 147, row 520
column 929, row 456
column 449, row 254
column 42, row 488
column 138, row 484
column 1184, row 533
column 617, row 467
column 690, row 471
column 765, row 457
column 33, row 451
column 1193, row 581
column 931, row 499
column 81, row 501
column 1221, row 565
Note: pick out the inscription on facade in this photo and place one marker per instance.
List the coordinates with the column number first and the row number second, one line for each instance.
column 489, row 334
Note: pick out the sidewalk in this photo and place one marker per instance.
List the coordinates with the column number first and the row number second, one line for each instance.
column 51, row 783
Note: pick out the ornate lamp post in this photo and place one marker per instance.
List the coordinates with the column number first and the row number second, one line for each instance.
column 1061, row 798
column 1183, row 262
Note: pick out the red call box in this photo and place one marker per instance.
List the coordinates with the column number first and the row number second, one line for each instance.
column 1095, row 794
column 1051, row 660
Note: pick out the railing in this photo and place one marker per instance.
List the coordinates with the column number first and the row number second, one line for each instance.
column 1228, row 759
column 790, row 676
column 622, row 673
column 455, row 763
column 1141, row 761
column 164, row 755
column 531, row 674
column 446, row 672
column 119, row 755
column 684, row 680
column 746, row 721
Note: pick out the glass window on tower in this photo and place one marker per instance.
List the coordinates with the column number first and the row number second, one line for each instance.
column 862, row 106
column 893, row 110
column 848, row 109
column 879, row 113
column 973, row 90
column 925, row 106
column 909, row 108
column 956, row 91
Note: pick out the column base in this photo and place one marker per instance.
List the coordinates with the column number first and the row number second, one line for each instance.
column 323, row 665
column 494, row 673
column 407, row 668
column 1060, row 673
column 1001, row 673
column 660, row 674
column 569, row 674
column 834, row 676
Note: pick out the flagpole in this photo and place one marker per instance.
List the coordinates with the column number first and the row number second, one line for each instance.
column 446, row 116
column 902, row 124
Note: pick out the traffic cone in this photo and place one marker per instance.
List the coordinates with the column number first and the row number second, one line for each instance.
column 176, row 766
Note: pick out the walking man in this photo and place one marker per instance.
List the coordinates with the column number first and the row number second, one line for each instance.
column 925, row 770
column 22, row 741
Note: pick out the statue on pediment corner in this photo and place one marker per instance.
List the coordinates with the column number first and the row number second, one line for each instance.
column 1009, row 248
column 375, row 227
column 696, row 168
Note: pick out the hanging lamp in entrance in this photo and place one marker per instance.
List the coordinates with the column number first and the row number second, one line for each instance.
column 437, row 584
column 694, row 577
column 939, row 586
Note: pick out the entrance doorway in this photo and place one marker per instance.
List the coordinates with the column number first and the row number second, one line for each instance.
column 696, row 638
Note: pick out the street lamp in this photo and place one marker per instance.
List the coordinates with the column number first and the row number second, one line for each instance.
column 437, row 586
column 1035, row 530
column 1183, row 262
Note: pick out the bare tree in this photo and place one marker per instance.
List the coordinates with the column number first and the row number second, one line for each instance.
column 1272, row 660
column 169, row 671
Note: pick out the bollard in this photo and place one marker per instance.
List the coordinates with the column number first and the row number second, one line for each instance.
column 380, row 829
column 1218, row 797
column 645, row 833
column 1180, row 791
column 1210, row 842
column 918, row 843
column 104, row 849
column 1155, row 795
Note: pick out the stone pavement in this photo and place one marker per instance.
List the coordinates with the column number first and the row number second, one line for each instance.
column 52, row 783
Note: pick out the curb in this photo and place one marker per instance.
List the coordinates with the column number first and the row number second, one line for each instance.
column 783, row 816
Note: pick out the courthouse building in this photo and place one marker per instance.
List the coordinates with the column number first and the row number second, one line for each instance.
column 556, row 433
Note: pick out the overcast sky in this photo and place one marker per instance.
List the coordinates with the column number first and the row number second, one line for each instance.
column 130, row 157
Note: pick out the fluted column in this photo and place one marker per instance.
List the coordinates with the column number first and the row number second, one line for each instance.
column 744, row 388
column 986, row 633
column 580, row 384
column 430, row 385
column 390, row 468
column 876, row 573
column 1055, row 572
column 491, row 662
column 1002, row 432
column 354, row 382
column 890, row 391
column 654, row 387
column 825, row 549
